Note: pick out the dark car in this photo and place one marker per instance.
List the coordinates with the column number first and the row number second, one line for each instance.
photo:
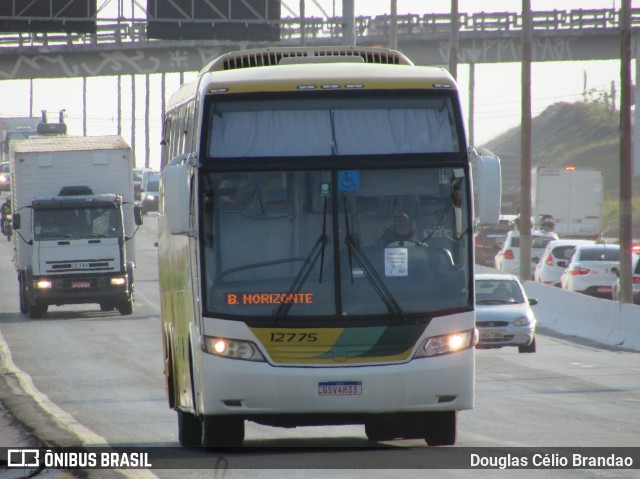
column 488, row 242
column 150, row 196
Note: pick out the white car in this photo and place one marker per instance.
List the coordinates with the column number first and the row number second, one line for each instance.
column 635, row 278
column 555, row 259
column 503, row 313
column 508, row 258
column 138, row 174
column 592, row 270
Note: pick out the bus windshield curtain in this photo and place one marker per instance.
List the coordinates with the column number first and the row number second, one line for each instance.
column 310, row 133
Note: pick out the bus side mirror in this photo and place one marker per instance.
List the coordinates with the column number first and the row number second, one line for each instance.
column 487, row 186
column 15, row 221
column 137, row 215
column 174, row 192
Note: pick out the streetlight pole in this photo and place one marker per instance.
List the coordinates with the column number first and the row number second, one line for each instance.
column 626, row 169
column 453, row 50
column 525, row 146
column 349, row 22
column 393, row 43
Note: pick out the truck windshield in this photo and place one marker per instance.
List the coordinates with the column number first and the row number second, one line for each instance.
column 341, row 244
column 77, row 223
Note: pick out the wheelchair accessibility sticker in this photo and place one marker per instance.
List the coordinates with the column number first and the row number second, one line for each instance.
column 348, row 180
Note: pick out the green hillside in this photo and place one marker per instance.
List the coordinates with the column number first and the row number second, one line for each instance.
column 580, row 134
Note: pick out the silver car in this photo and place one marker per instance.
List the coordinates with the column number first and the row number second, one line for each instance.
column 503, row 313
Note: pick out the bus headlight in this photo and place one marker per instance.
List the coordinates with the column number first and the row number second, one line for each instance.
column 232, row 348
column 119, row 281
column 446, row 344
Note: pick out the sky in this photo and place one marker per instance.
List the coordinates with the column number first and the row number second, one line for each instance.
column 497, row 103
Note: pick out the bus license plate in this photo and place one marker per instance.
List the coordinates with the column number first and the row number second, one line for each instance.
column 349, row 388
column 81, row 284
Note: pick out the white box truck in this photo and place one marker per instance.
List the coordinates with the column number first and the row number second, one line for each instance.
column 573, row 197
column 74, row 220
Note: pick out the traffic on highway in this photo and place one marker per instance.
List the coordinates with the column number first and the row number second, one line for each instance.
column 91, row 377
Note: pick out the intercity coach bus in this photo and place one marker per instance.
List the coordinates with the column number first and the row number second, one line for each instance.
column 285, row 298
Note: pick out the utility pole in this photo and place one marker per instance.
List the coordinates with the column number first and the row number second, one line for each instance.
column 626, row 169
column 393, row 43
column 303, row 24
column 349, row 22
column 525, row 146
column 472, row 102
column 453, row 49
column 84, row 106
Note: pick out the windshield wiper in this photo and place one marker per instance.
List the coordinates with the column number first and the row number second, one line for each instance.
column 370, row 272
column 312, row 258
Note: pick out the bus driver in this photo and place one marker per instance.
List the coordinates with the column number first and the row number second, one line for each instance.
column 402, row 233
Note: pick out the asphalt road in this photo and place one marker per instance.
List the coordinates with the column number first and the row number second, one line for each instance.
column 85, row 377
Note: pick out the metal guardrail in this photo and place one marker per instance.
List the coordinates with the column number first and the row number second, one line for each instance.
column 318, row 28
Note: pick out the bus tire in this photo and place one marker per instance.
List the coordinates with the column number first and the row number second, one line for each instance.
column 379, row 430
column 222, row 431
column 189, row 429
column 440, row 428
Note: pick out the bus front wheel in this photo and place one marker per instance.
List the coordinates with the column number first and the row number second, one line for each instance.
column 189, row 429
column 222, row 431
column 440, row 428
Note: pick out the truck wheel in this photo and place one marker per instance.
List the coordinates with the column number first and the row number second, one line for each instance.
column 222, row 431
column 440, row 428
column 37, row 310
column 189, row 429
column 23, row 295
column 126, row 307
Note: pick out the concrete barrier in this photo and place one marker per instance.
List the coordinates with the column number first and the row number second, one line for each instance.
column 575, row 314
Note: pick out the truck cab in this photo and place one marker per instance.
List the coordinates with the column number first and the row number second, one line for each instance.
column 78, row 252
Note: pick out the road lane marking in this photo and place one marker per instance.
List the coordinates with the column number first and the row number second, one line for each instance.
column 64, row 419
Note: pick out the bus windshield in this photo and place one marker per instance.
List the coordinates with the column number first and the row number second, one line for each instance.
column 337, row 244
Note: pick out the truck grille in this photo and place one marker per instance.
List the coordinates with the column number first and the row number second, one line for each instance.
column 102, row 264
